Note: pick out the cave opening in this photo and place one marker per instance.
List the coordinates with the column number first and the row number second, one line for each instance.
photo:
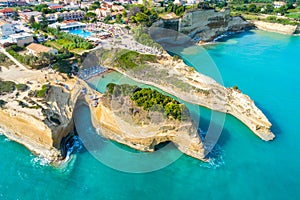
column 161, row 145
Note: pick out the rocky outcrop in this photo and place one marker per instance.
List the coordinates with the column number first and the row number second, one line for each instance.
column 41, row 129
column 205, row 25
column 275, row 27
column 176, row 78
column 145, row 138
column 43, row 137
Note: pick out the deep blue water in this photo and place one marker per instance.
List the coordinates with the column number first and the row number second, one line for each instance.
column 264, row 66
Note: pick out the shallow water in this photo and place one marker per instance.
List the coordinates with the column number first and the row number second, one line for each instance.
column 263, row 65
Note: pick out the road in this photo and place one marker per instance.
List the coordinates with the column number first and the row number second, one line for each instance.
column 12, row 58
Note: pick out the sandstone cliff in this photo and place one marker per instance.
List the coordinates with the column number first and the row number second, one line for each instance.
column 177, row 79
column 205, row 25
column 43, row 122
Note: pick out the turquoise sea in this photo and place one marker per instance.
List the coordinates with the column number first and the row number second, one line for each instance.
column 264, row 66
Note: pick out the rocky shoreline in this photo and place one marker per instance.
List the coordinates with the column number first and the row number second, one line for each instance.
column 179, row 80
column 43, row 132
column 44, row 139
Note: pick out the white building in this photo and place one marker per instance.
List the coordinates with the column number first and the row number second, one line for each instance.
column 102, row 12
column 67, row 2
column 49, row 17
column 72, row 25
column 7, row 12
column 21, row 38
column 178, row 2
column 25, row 16
column 278, row 4
column 191, row 2
column 6, row 29
column 71, row 7
column 71, row 15
column 32, row 2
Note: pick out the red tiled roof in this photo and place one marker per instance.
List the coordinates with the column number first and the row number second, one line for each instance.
column 68, row 21
column 7, row 10
column 55, row 7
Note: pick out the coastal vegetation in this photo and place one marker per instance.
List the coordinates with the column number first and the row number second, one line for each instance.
column 142, row 14
column 149, row 99
column 36, row 62
column 264, row 10
column 177, row 9
column 21, row 87
column 7, row 87
column 61, row 62
column 4, row 60
column 126, row 59
column 42, row 92
column 142, row 66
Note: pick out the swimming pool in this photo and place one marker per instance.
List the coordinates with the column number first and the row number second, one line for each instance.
column 81, row 33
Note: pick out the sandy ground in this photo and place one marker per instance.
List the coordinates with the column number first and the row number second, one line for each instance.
column 17, row 74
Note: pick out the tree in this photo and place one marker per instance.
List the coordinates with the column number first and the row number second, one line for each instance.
column 46, row 10
column 118, row 18
column 60, row 19
column 107, row 18
column 94, row 5
column 179, row 10
column 15, row 15
column 269, row 8
column 141, row 17
column 282, row 10
column 252, row 8
column 39, row 7
column 124, row 14
column 31, row 20
column 44, row 23
column 127, row 28
column 45, row 59
column 204, row 5
column 2, row 57
column 133, row 11
column 90, row 16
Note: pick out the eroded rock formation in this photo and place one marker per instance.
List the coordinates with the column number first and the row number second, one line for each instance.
column 205, row 25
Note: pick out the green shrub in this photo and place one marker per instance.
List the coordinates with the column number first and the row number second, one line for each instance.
column 42, row 93
column 63, row 66
column 235, row 87
column 149, row 99
column 3, row 57
column 176, row 57
column 130, row 59
column 7, row 87
column 2, row 103
column 21, row 87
